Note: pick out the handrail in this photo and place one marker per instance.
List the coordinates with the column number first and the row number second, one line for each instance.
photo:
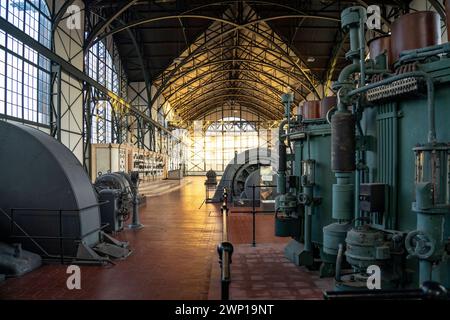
column 225, row 251
column 33, row 238
column 254, row 212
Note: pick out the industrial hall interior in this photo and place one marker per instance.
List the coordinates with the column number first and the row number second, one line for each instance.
column 224, row 150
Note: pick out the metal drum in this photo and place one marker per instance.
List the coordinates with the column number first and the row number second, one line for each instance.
column 381, row 45
column 326, row 104
column 310, row 110
column 415, row 30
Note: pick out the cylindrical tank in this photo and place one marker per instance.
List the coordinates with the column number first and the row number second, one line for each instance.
column 365, row 247
column 415, row 30
column 343, row 142
column 333, row 235
column 310, row 110
column 326, row 104
column 379, row 45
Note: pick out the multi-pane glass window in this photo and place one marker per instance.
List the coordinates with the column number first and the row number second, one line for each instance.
column 215, row 146
column 100, row 67
column 226, row 137
column 102, row 122
column 25, row 75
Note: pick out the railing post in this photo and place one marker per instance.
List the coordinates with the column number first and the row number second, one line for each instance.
column 254, row 217
column 225, row 251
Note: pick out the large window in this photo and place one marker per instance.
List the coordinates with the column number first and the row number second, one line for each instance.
column 25, row 75
column 100, row 67
column 102, row 123
column 215, row 143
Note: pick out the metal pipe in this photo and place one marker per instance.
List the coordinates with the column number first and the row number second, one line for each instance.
column 424, row 52
column 339, row 262
column 424, row 270
column 282, row 159
column 346, row 73
column 308, row 190
column 362, row 51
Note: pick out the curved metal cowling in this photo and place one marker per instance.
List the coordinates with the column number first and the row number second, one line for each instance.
column 40, row 180
column 252, row 157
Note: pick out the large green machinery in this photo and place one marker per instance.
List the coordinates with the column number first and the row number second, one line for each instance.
column 390, row 150
column 305, row 208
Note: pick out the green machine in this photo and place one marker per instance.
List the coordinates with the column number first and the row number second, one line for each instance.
column 387, row 202
column 304, row 183
column 398, row 149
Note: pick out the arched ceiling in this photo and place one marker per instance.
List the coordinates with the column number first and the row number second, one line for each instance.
column 202, row 55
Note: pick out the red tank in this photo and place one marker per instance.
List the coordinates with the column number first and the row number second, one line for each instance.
column 310, row 110
column 326, row 104
column 415, row 30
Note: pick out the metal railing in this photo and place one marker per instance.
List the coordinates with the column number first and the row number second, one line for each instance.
column 225, row 251
column 254, row 212
column 62, row 257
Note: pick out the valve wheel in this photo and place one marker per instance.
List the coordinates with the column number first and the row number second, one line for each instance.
column 303, row 198
column 420, row 244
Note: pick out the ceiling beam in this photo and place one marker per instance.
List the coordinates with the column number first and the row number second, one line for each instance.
column 101, row 26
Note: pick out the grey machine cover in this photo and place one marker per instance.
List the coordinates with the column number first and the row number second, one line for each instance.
column 40, row 178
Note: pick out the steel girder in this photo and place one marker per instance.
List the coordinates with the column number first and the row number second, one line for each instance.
column 251, row 107
column 263, row 103
column 72, row 70
column 252, row 55
column 221, row 81
column 235, row 27
column 101, row 26
column 245, row 103
column 238, row 91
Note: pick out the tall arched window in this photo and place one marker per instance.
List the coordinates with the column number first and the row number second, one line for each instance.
column 25, row 75
column 100, row 67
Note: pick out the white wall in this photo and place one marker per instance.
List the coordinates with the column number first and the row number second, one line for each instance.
column 68, row 44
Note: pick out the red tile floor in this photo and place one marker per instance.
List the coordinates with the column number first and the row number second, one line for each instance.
column 174, row 257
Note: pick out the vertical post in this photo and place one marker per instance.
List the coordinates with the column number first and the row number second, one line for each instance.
column 254, row 216
column 58, row 103
column 225, row 290
column 225, row 250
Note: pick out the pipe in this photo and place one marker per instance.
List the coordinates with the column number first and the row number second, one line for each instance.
column 424, row 271
column 430, row 96
column 361, row 35
column 339, row 262
column 354, row 42
column 281, row 183
column 424, row 52
column 346, row 73
column 308, row 221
